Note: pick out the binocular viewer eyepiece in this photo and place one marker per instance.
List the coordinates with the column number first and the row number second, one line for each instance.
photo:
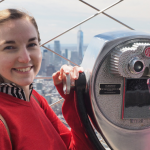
column 136, row 65
column 130, row 61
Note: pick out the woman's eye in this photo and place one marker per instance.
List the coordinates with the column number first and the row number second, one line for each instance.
column 9, row 47
column 32, row 45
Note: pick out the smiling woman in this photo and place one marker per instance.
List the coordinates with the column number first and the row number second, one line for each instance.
column 26, row 120
column 20, row 55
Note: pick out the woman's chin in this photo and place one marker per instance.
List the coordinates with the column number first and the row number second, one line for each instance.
column 23, row 83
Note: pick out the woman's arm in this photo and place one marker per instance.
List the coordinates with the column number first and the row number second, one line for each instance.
column 80, row 140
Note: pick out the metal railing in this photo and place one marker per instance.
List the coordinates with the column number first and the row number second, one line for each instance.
column 99, row 12
column 89, row 18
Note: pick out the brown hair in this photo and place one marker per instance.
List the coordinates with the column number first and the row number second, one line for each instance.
column 12, row 14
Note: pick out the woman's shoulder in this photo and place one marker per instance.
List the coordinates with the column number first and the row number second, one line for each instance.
column 39, row 98
column 36, row 94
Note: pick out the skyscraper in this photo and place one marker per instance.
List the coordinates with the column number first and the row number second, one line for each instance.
column 80, row 44
column 66, row 53
column 43, row 67
column 57, row 59
column 50, row 56
column 46, row 57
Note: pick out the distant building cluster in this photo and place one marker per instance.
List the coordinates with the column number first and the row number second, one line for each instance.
column 46, row 88
column 52, row 62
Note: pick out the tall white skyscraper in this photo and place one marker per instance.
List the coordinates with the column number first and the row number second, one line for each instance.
column 80, row 44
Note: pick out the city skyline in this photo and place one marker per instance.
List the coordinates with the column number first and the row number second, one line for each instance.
column 52, row 62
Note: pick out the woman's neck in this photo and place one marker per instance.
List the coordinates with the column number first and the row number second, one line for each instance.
column 25, row 88
column 26, row 92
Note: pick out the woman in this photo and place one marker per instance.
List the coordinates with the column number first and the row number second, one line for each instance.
column 32, row 125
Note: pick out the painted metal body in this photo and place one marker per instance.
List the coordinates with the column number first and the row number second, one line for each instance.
column 120, row 133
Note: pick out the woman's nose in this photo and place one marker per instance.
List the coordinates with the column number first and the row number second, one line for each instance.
column 24, row 55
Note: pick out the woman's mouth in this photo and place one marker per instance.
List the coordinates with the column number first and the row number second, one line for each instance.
column 23, row 69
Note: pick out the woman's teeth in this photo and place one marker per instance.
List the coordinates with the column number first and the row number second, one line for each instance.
column 24, row 69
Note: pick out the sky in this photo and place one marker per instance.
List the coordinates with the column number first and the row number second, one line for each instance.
column 56, row 16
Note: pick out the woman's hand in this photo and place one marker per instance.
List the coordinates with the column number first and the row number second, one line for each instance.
column 59, row 76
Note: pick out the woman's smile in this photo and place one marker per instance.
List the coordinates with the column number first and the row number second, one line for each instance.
column 23, row 70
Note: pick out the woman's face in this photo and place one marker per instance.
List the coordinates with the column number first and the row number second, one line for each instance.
column 20, row 55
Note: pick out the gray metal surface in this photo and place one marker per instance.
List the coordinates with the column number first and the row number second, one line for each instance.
column 121, row 134
column 123, row 59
